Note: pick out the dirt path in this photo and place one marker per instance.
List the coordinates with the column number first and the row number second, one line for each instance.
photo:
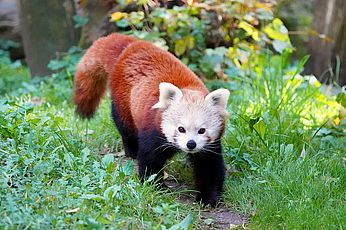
column 212, row 218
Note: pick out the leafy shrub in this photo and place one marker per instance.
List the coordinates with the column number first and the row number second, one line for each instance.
column 50, row 179
column 13, row 76
column 212, row 37
column 284, row 147
column 276, row 99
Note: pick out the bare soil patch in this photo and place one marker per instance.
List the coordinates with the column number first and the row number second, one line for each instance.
column 220, row 217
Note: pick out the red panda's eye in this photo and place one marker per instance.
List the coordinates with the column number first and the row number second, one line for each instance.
column 181, row 129
column 201, row 131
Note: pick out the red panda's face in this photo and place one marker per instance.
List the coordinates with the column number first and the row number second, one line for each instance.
column 191, row 121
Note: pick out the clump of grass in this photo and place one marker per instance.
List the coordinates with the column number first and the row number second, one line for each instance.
column 292, row 175
column 52, row 179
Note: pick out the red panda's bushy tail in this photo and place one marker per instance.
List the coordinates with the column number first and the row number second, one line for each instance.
column 93, row 70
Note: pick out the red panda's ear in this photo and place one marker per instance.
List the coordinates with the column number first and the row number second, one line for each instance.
column 168, row 93
column 219, row 98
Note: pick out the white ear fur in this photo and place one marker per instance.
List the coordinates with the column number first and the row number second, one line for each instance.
column 219, row 99
column 168, row 93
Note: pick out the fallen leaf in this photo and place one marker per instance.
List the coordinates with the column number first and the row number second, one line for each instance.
column 72, row 210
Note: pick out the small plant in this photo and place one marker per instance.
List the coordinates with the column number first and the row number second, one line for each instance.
column 14, row 75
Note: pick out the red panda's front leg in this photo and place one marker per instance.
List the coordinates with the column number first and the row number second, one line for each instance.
column 153, row 153
column 209, row 170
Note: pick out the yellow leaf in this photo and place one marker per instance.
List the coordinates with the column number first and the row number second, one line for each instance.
column 255, row 35
column 250, row 30
column 190, row 42
column 116, row 16
column 337, row 121
column 264, row 6
column 179, row 47
column 236, row 62
column 277, row 30
column 247, row 27
column 260, row 127
column 82, row 3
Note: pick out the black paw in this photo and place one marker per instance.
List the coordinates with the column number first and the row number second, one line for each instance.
column 207, row 200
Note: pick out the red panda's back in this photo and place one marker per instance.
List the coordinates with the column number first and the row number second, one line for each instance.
column 136, row 77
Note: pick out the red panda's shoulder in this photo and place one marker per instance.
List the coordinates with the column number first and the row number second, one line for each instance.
column 141, row 67
column 153, row 64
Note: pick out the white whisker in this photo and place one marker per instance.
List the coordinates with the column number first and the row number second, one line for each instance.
column 211, row 151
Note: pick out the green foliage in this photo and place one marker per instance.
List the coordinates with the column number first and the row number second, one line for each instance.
column 273, row 99
column 244, row 27
column 80, row 21
column 341, row 98
column 52, row 173
column 65, row 184
column 285, row 153
column 13, row 75
column 298, row 17
column 68, row 63
column 8, row 44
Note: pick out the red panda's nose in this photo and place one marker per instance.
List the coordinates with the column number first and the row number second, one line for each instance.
column 191, row 144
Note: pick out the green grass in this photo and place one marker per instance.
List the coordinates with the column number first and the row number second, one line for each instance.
column 285, row 155
column 293, row 173
column 53, row 177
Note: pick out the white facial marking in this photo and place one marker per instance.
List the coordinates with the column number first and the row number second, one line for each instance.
column 192, row 121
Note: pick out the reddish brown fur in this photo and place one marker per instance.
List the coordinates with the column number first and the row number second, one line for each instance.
column 96, row 65
column 135, row 69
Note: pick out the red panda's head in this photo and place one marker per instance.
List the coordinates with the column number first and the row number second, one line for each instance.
column 190, row 120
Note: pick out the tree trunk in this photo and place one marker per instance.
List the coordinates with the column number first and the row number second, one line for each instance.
column 330, row 23
column 47, row 29
column 10, row 27
column 97, row 12
column 340, row 48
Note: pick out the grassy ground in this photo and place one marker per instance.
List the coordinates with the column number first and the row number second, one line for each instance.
column 293, row 144
column 284, row 148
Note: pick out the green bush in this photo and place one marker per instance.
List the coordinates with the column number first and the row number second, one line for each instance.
column 13, row 75
column 214, row 38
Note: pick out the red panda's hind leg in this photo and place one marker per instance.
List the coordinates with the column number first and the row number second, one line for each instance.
column 128, row 135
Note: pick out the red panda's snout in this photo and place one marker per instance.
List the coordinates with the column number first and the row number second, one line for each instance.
column 192, row 140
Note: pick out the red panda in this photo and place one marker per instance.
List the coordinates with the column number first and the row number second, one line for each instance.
column 159, row 107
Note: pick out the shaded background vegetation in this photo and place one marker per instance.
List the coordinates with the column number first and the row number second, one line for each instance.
column 315, row 27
